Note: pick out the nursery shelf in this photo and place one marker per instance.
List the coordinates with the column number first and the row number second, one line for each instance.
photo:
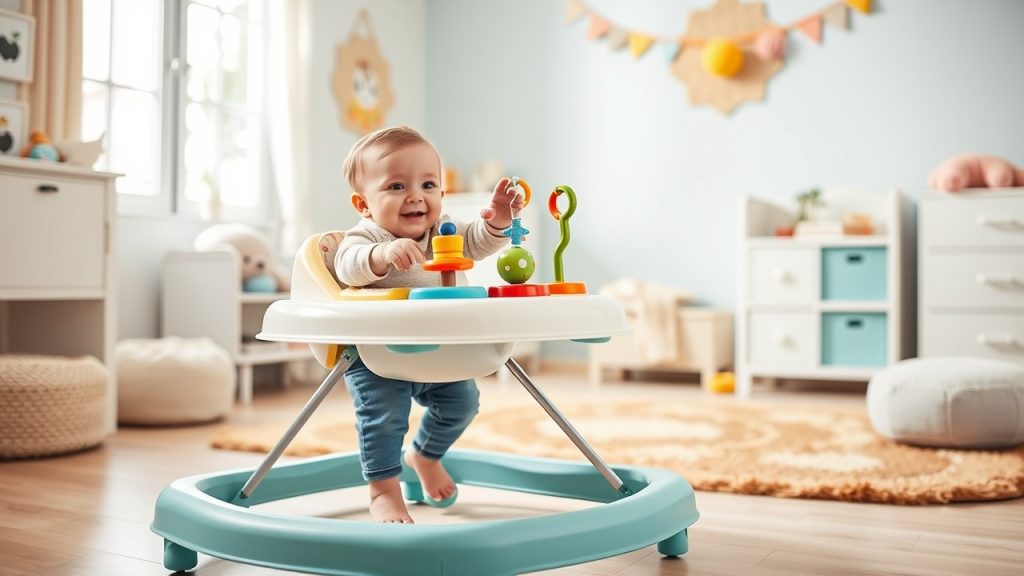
column 847, row 240
column 261, row 297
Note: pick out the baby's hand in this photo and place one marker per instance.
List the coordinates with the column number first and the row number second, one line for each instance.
column 505, row 201
column 402, row 253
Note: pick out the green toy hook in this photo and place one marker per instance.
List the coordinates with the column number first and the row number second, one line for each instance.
column 563, row 225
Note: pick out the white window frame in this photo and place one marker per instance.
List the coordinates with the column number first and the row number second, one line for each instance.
column 169, row 199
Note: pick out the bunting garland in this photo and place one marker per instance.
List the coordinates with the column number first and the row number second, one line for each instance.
column 711, row 57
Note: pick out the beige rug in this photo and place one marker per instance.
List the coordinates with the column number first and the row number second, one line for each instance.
column 717, row 444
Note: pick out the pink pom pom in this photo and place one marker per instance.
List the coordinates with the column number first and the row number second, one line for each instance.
column 771, row 44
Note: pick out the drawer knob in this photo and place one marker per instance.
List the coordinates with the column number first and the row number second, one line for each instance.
column 782, row 339
column 996, row 340
column 998, row 280
column 47, row 188
column 780, row 274
column 997, row 221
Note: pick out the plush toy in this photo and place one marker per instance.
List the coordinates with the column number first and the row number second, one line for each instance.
column 260, row 271
column 975, row 171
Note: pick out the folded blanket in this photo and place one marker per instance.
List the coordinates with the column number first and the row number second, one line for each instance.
column 655, row 307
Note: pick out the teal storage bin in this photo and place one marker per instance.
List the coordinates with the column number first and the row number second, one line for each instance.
column 854, row 274
column 854, row 339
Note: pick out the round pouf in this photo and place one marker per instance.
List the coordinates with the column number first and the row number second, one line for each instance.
column 949, row 403
column 51, row 404
column 173, row 381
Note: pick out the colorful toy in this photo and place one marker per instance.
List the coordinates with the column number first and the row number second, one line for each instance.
column 39, row 148
column 516, row 264
column 427, row 339
column 560, row 286
column 448, row 257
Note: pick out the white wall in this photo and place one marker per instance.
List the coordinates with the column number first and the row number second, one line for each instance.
column 658, row 180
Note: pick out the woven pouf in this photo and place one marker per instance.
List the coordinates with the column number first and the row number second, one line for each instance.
column 949, row 402
column 51, row 404
column 173, row 381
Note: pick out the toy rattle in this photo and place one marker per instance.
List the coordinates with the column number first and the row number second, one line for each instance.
column 516, row 264
column 560, row 286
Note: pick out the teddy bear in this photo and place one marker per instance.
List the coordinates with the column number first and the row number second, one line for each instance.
column 260, row 271
column 975, row 171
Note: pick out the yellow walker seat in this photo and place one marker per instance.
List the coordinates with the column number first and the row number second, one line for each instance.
column 426, row 340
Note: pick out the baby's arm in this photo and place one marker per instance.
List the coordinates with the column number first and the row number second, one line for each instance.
column 363, row 259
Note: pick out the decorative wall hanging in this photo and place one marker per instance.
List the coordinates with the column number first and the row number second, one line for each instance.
column 17, row 42
column 728, row 52
column 362, row 79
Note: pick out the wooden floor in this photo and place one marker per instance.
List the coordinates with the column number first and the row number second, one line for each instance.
column 88, row 514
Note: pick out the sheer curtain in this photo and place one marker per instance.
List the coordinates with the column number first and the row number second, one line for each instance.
column 288, row 120
column 55, row 94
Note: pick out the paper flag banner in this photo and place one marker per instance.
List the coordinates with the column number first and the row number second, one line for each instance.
column 638, row 44
column 597, row 27
column 670, row 51
column 617, row 38
column 837, row 16
column 573, row 11
column 811, row 27
column 863, row 5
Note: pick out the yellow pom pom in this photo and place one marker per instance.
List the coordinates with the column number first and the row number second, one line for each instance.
column 722, row 58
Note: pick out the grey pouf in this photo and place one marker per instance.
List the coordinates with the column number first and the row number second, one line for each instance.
column 51, row 405
column 949, row 403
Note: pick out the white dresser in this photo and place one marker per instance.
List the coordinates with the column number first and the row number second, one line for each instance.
column 972, row 274
column 56, row 268
column 824, row 308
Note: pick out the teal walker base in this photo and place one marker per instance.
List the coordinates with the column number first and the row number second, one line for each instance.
column 204, row 514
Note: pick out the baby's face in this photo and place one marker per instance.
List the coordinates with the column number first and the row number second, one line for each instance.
column 402, row 191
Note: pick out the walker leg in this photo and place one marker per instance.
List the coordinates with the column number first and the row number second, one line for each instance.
column 348, row 356
column 567, row 427
column 179, row 558
column 675, row 545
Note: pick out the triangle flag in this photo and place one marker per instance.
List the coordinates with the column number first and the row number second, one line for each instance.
column 597, row 27
column 617, row 38
column 671, row 51
column 811, row 27
column 864, row 6
column 638, row 44
column 573, row 11
column 837, row 16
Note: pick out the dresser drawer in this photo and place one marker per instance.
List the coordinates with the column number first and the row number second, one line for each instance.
column 999, row 336
column 52, row 232
column 972, row 280
column 853, row 274
column 783, row 276
column 782, row 339
column 973, row 219
column 854, row 339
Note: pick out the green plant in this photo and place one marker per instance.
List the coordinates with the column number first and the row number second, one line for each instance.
column 807, row 200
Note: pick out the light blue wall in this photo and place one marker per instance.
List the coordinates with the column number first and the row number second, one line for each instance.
column 658, row 179
column 399, row 28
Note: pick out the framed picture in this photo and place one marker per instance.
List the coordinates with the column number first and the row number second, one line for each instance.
column 17, row 41
column 13, row 127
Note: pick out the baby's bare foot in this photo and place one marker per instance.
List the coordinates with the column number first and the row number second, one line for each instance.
column 435, row 479
column 386, row 502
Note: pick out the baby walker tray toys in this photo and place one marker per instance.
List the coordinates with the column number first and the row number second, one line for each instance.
column 431, row 335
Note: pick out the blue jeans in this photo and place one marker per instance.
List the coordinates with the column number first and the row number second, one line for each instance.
column 382, row 417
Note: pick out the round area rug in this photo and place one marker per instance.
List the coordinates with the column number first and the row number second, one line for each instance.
column 716, row 444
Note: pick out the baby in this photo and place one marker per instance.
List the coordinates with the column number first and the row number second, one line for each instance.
column 395, row 174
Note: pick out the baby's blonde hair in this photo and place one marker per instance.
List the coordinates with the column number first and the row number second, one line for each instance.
column 390, row 139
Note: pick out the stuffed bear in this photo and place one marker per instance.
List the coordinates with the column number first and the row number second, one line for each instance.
column 975, row 171
column 260, row 271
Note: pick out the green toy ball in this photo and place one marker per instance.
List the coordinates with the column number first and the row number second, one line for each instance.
column 516, row 265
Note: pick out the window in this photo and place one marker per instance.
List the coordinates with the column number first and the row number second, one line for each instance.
column 176, row 87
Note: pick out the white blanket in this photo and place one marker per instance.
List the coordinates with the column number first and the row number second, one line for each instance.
column 656, row 311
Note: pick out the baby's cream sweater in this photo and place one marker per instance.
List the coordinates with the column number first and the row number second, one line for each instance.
column 352, row 262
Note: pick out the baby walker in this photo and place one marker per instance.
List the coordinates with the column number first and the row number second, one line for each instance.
column 431, row 335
